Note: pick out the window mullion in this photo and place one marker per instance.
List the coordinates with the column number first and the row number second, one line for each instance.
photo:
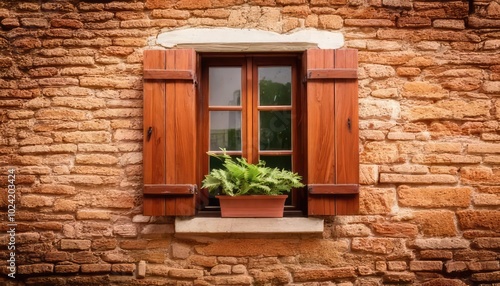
column 249, row 109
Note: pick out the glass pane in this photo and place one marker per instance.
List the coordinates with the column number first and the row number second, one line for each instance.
column 280, row 162
column 275, row 130
column 275, row 86
column 225, row 130
column 225, row 86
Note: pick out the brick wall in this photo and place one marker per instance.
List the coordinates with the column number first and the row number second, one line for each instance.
column 71, row 120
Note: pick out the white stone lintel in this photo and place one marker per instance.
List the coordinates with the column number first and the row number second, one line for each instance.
column 249, row 40
column 249, row 225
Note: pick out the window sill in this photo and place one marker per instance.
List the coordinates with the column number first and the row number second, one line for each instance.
column 249, row 225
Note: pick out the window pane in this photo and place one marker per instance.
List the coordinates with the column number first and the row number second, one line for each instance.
column 280, row 162
column 225, row 86
column 225, row 130
column 275, row 130
column 275, row 86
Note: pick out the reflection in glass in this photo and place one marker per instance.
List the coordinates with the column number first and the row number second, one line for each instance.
column 275, row 86
column 225, row 130
column 225, row 86
column 275, row 130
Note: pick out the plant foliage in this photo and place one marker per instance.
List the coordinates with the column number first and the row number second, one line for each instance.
column 238, row 177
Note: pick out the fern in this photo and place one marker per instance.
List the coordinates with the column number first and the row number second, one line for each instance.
column 238, row 177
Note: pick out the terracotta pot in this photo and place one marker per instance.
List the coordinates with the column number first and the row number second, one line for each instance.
column 252, row 206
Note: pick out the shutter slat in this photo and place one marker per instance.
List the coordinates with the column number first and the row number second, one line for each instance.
column 154, row 147
column 346, row 132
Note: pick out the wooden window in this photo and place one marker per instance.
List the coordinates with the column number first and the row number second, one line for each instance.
column 250, row 108
column 294, row 111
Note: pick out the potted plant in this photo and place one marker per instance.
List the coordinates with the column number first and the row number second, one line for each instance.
column 250, row 190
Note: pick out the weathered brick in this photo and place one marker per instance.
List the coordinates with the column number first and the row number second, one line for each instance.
column 483, row 148
column 67, row 268
column 40, row 268
column 323, row 275
column 96, row 159
column 436, row 254
column 426, row 265
column 470, row 219
column 396, row 229
column 486, row 277
column 93, row 215
column 35, row 201
column 104, row 244
column 75, row 244
column 456, row 266
column 397, row 265
column 480, row 175
column 376, row 200
column 182, row 251
column 87, row 137
column 436, row 223
column 95, row 268
column 386, row 246
column 123, row 268
column 441, row 243
column 434, row 197
column 398, row 277
column 185, row 273
column 417, row 179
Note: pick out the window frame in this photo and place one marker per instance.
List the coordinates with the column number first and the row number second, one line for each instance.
column 250, row 62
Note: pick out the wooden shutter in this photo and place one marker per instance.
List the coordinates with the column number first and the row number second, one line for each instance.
column 170, row 144
column 332, row 131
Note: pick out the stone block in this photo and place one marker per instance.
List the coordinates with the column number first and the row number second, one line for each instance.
column 441, row 243
column 395, row 229
column 376, row 200
column 473, row 219
column 426, row 266
column 180, row 251
column 456, row 266
column 434, row 197
column 397, row 265
column 323, row 275
column 95, row 268
column 185, row 273
column 57, row 256
column 67, row 268
column 96, row 159
column 436, row 223
column 487, row 242
column 221, row 269
column 352, row 230
column 399, row 277
column 375, row 245
column 38, row 268
column 205, row 261
column 75, row 244
column 417, row 179
column 123, row 268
